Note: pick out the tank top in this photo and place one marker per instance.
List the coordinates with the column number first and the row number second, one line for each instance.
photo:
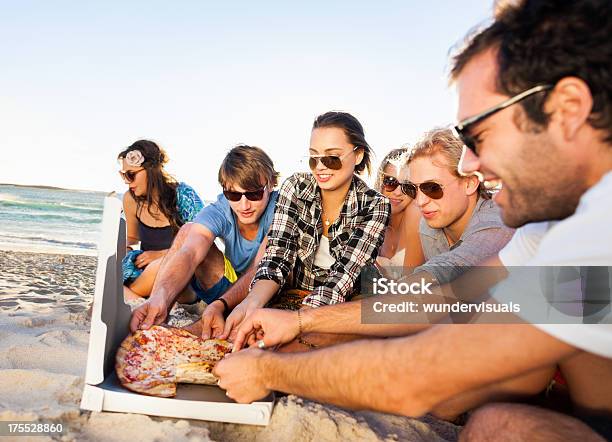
column 154, row 238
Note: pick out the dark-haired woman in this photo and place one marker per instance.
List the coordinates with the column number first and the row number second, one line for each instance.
column 328, row 225
column 155, row 207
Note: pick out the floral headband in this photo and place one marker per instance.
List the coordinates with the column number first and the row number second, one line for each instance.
column 399, row 160
column 134, row 158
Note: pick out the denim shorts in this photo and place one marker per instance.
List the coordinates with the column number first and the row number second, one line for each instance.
column 208, row 296
column 212, row 293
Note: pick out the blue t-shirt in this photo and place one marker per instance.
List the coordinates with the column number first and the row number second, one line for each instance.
column 219, row 218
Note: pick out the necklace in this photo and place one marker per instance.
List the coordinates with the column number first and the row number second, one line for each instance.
column 328, row 221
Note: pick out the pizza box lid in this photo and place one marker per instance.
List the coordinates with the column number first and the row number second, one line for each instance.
column 110, row 325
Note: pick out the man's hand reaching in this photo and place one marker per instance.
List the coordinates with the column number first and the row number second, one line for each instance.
column 212, row 320
column 152, row 312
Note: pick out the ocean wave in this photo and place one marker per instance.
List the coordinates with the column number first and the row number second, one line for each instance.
column 42, row 217
column 45, row 206
column 49, row 241
column 97, row 208
column 8, row 197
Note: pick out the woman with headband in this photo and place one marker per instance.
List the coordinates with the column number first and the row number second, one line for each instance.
column 155, row 207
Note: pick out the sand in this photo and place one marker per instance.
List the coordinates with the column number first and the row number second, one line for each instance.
column 44, row 332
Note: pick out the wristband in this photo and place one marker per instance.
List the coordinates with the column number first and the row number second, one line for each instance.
column 226, row 308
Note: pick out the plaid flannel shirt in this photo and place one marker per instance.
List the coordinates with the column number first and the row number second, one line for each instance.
column 296, row 229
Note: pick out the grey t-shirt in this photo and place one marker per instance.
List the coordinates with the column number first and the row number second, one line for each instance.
column 484, row 236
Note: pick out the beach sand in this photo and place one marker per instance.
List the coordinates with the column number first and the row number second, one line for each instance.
column 44, row 332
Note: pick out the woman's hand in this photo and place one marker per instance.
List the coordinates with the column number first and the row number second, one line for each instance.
column 146, row 258
column 272, row 326
column 261, row 293
column 239, row 314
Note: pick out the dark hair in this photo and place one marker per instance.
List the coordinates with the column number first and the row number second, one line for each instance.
column 354, row 132
column 543, row 41
column 159, row 183
column 249, row 167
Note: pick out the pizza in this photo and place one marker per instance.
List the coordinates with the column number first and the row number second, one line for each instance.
column 153, row 361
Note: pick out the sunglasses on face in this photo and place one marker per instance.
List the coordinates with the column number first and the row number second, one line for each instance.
column 431, row 189
column 129, row 175
column 333, row 162
column 253, row 195
column 390, row 183
column 462, row 129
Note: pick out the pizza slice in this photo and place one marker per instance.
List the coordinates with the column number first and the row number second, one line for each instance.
column 153, row 361
column 196, row 373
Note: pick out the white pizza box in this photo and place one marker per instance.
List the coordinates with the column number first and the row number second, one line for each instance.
column 109, row 326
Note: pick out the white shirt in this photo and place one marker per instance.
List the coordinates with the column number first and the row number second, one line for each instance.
column 524, row 244
column 582, row 239
column 396, row 260
column 323, row 257
column 585, row 238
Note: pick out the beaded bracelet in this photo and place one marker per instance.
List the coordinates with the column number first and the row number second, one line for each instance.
column 300, row 339
column 299, row 322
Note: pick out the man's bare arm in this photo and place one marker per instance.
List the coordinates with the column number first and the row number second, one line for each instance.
column 347, row 317
column 411, row 375
column 188, row 249
column 358, row 318
column 281, row 327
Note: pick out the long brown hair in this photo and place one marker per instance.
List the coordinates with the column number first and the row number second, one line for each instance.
column 159, row 183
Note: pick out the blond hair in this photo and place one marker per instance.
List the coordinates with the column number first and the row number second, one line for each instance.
column 442, row 141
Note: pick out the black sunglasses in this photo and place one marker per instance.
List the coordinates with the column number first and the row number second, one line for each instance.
column 333, row 162
column 429, row 188
column 129, row 175
column 462, row 129
column 253, row 195
column 389, row 183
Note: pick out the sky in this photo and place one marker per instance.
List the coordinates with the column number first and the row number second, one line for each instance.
column 80, row 81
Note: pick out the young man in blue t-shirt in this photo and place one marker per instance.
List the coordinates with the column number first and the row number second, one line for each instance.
column 241, row 217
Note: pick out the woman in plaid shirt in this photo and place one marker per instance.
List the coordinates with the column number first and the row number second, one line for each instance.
column 327, row 226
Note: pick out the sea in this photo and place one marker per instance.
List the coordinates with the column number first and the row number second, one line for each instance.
column 49, row 220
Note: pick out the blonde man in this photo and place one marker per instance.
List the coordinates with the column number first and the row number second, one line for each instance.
column 460, row 225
